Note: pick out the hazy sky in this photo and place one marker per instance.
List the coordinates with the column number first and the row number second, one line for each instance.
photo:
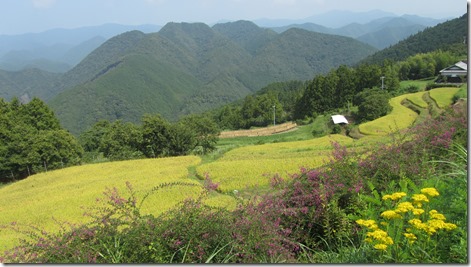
column 21, row 16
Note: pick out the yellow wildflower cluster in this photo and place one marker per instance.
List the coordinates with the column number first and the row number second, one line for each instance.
column 378, row 236
column 436, row 220
column 395, row 196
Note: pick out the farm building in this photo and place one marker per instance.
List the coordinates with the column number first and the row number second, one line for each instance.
column 339, row 119
column 455, row 73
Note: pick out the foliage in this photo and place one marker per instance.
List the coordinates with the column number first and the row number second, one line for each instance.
column 445, row 36
column 31, row 140
column 373, row 104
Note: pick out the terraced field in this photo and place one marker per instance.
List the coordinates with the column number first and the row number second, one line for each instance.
column 402, row 117
column 251, row 166
column 61, row 194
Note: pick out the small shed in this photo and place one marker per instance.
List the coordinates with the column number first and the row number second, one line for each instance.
column 339, row 119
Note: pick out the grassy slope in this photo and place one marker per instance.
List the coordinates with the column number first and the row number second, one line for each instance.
column 61, row 194
column 247, row 160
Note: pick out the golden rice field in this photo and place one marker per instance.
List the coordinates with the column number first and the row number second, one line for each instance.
column 443, row 96
column 400, row 118
column 417, row 99
column 61, row 194
column 250, row 166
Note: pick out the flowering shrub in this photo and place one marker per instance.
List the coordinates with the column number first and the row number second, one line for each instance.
column 410, row 230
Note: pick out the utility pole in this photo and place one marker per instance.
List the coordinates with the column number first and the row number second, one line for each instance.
column 274, row 115
column 382, row 82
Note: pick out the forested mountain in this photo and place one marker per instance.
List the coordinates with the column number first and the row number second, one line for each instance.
column 451, row 34
column 380, row 33
column 191, row 67
column 28, row 83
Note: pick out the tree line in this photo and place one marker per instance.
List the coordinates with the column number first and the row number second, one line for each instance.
column 154, row 137
column 367, row 86
column 32, row 140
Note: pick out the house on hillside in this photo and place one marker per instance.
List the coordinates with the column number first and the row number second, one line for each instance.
column 456, row 73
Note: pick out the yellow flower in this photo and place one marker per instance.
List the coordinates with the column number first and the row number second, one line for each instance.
column 411, row 237
column 368, row 223
column 390, row 214
column 388, row 240
column 430, row 191
column 394, row 196
column 435, row 215
column 380, row 247
column 398, row 195
column 418, row 224
column 417, row 211
column 377, row 234
column 449, row 226
column 419, row 198
column 404, row 207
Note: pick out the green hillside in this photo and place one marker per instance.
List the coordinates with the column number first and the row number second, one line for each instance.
column 191, row 67
column 28, row 83
column 447, row 35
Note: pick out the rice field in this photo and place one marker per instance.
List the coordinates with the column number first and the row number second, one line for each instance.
column 61, row 194
column 255, row 165
column 400, row 118
column 443, row 96
column 417, row 99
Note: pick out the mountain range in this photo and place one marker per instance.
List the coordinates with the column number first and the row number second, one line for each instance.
column 59, row 50
column 191, row 67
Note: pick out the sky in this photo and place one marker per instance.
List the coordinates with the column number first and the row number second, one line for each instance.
column 24, row 16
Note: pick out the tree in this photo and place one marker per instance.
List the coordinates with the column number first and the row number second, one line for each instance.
column 181, row 140
column 123, row 141
column 53, row 149
column 155, row 135
column 91, row 138
column 32, row 140
column 205, row 131
column 374, row 104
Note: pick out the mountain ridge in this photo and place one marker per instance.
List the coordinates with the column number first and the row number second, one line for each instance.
column 193, row 67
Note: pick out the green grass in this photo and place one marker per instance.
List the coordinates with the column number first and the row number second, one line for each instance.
column 419, row 83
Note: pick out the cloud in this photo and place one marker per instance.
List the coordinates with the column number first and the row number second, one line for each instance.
column 43, row 3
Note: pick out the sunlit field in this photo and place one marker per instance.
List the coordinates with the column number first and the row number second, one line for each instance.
column 400, row 118
column 443, row 96
column 255, row 165
column 61, row 194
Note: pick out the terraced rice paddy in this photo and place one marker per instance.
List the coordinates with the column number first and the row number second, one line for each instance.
column 250, row 166
column 61, row 194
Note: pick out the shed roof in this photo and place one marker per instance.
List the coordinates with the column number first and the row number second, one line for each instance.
column 339, row 119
